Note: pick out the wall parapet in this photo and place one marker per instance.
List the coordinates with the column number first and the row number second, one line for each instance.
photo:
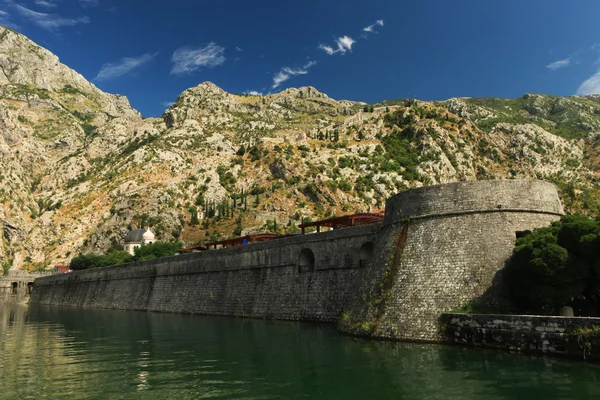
column 474, row 197
column 536, row 334
column 229, row 259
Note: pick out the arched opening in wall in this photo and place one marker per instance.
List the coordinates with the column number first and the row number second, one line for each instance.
column 366, row 254
column 14, row 287
column 29, row 287
column 306, row 261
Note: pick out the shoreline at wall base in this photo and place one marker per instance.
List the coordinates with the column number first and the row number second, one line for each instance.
column 525, row 334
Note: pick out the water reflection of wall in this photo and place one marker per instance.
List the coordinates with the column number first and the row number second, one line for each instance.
column 76, row 354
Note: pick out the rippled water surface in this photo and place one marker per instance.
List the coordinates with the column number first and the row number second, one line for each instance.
column 62, row 353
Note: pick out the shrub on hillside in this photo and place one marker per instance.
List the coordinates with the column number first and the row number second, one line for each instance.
column 557, row 266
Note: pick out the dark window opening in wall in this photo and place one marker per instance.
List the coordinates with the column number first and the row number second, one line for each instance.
column 15, row 285
column 29, row 287
column 365, row 254
column 306, row 261
column 521, row 234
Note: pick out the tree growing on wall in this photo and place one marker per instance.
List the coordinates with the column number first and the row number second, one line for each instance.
column 557, row 266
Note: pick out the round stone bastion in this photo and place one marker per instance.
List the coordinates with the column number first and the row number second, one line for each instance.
column 510, row 195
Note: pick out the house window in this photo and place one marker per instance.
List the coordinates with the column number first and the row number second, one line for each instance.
column 15, row 285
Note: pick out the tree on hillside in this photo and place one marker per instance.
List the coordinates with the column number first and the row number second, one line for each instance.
column 156, row 250
column 194, row 215
column 87, row 261
column 557, row 266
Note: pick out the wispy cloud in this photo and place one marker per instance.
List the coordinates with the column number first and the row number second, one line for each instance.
column 187, row 59
column 238, row 48
column 43, row 3
column 590, row 85
column 50, row 22
column 559, row 64
column 286, row 73
column 167, row 103
column 343, row 43
column 124, row 66
column 371, row 28
column 253, row 93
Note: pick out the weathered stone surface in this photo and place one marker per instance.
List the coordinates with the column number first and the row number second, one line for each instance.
column 449, row 252
column 521, row 333
column 457, row 240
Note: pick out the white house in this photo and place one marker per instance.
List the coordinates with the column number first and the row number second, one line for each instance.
column 137, row 238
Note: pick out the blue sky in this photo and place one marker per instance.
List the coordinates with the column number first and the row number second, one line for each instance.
column 152, row 50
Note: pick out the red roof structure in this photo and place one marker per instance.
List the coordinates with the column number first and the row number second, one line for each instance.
column 61, row 268
column 335, row 223
column 260, row 237
column 345, row 221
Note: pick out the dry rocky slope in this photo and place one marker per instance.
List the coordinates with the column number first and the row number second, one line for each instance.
column 79, row 167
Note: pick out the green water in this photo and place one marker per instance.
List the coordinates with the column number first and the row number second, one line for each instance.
column 62, row 353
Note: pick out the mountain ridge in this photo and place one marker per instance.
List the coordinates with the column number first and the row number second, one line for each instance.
column 82, row 167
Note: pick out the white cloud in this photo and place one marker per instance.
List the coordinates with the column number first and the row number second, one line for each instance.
column 187, row 59
column 238, row 48
column 43, row 3
column 590, row 86
column 3, row 13
column 124, row 66
column 371, row 27
column 286, row 73
column 328, row 49
column 253, row 93
column 167, row 103
column 49, row 22
column 343, row 43
column 559, row 64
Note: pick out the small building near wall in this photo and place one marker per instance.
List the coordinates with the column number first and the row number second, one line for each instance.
column 16, row 286
column 137, row 238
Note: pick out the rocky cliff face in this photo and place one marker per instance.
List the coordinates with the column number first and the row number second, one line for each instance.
column 79, row 167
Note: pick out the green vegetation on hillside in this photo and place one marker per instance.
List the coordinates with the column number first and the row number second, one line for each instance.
column 571, row 118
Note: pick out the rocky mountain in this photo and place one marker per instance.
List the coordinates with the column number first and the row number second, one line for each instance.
column 79, row 167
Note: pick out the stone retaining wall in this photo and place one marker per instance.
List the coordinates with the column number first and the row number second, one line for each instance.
column 261, row 280
column 558, row 336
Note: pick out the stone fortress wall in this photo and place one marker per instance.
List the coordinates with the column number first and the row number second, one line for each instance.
column 262, row 280
column 438, row 248
column 16, row 286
